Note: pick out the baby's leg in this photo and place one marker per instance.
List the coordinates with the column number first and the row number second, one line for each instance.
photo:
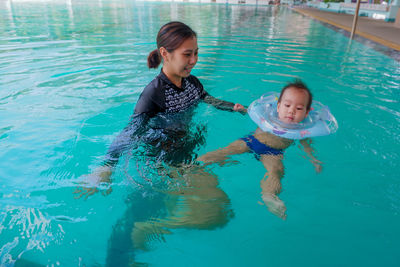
column 271, row 184
column 221, row 155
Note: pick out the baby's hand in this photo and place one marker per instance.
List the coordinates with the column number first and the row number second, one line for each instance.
column 317, row 165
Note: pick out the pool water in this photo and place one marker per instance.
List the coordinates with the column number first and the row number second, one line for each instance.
column 71, row 73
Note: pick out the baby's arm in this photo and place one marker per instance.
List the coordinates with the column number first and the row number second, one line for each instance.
column 221, row 155
column 310, row 151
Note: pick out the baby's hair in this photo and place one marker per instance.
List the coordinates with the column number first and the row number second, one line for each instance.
column 300, row 85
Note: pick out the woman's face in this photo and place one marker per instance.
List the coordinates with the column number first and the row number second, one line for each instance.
column 182, row 60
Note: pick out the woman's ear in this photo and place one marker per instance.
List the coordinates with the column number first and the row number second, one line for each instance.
column 164, row 53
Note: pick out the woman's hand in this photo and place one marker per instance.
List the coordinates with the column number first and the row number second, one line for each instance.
column 93, row 181
column 240, row 108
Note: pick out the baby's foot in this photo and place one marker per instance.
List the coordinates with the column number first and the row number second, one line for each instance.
column 275, row 205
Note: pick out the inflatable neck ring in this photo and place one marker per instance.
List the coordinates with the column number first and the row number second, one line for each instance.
column 319, row 121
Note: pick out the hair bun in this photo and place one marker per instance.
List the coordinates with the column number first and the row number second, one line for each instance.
column 154, row 59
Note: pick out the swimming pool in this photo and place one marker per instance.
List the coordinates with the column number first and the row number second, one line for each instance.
column 70, row 74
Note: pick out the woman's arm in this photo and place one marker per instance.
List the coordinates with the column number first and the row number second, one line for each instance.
column 127, row 139
column 224, row 105
column 310, row 151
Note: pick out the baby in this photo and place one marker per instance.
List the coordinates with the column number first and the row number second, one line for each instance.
column 294, row 104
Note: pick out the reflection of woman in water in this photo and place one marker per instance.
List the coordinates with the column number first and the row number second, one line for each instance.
column 161, row 121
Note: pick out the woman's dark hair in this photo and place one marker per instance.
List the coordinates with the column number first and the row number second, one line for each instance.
column 170, row 36
column 300, row 85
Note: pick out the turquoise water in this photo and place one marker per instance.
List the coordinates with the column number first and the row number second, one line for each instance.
column 70, row 74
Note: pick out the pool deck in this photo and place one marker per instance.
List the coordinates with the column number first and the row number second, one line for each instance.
column 384, row 33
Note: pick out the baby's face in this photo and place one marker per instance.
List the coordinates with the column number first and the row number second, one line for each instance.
column 293, row 105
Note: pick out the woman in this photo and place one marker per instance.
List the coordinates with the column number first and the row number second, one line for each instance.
column 161, row 121
column 165, row 103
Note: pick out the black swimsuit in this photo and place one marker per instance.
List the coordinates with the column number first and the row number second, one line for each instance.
column 162, row 121
column 161, row 95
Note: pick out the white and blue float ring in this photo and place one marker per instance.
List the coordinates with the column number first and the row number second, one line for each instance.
column 319, row 121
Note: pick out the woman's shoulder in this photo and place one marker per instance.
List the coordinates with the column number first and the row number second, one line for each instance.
column 154, row 91
column 152, row 98
column 154, row 86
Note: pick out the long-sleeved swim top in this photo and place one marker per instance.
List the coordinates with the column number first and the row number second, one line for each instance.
column 163, row 113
